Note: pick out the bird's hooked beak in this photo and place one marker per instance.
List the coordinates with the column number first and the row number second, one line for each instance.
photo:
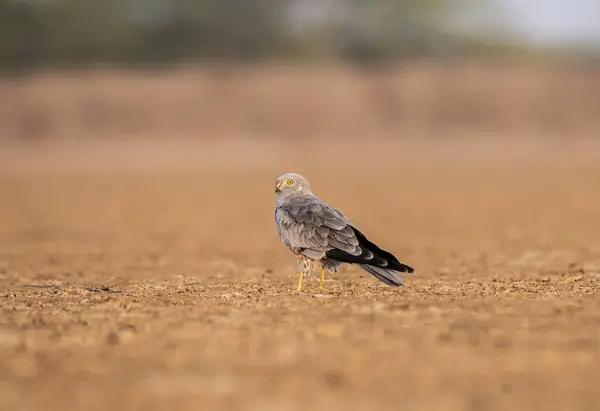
column 278, row 187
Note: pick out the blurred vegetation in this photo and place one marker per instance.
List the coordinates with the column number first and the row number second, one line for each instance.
column 66, row 32
column 41, row 33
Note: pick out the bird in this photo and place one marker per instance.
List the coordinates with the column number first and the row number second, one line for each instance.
column 317, row 232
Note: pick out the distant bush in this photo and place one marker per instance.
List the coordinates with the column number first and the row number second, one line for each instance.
column 42, row 33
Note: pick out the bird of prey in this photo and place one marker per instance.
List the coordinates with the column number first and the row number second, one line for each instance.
column 316, row 232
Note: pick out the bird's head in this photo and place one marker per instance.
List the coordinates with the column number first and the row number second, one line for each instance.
column 291, row 183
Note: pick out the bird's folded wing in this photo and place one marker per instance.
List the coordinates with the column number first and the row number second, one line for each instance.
column 318, row 230
column 315, row 227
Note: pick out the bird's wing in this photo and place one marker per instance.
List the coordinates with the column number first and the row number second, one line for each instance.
column 309, row 226
column 315, row 229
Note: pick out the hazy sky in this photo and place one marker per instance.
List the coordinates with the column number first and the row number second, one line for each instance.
column 556, row 20
column 539, row 21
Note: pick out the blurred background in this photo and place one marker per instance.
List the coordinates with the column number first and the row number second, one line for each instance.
column 248, row 69
column 147, row 273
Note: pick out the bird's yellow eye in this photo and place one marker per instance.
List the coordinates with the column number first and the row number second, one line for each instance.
column 290, row 182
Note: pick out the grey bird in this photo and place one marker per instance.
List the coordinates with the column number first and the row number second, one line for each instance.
column 316, row 232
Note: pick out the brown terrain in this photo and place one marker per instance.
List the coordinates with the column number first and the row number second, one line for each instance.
column 149, row 276
column 236, row 102
column 503, row 311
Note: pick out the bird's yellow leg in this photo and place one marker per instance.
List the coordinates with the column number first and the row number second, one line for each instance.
column 300, row 281
column 321, row 286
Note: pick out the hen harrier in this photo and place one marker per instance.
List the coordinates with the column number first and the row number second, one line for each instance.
column 315, row 231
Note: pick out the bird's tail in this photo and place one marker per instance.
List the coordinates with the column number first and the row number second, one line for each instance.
column 377, row 262
column 388, row 276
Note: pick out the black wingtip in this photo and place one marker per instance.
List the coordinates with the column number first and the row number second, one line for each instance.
column 382, row 264
column 407, row 269
column 392, row 261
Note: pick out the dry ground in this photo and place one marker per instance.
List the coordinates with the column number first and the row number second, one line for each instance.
column 503, row 312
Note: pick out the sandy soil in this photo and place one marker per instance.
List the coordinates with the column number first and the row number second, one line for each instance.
column 166, row 287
